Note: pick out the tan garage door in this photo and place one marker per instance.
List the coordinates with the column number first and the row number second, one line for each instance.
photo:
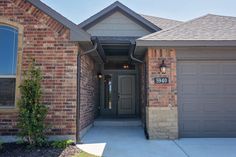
column 207, row 98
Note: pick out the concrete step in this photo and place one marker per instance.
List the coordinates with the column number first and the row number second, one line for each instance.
column 117, row 122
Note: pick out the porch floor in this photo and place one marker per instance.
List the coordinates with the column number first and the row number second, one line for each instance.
column 131, row 142
column 126, row 141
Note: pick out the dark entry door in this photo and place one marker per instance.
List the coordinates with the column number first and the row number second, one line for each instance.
column 126, row 95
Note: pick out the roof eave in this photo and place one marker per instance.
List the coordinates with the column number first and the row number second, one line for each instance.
column 184, row 43
column 76, row 34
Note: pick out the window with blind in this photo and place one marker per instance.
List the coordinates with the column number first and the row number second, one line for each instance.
column 8, row 62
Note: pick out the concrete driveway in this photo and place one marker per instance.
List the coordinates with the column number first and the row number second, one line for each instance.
column 131, row 142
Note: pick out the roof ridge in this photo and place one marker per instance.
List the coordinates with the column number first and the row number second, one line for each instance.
column 221, row 15
column 161, row 17
column 177, row 26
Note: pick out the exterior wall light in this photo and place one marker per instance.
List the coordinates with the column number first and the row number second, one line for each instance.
column 163, row 67
column 99, row 75
column 126, row 66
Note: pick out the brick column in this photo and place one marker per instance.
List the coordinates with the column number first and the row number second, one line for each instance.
column 161, row 109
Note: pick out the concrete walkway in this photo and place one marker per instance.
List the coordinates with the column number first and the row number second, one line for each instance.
column 131, row 142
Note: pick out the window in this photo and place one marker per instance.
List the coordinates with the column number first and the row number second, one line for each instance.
column 108, row 92
column 8, row 61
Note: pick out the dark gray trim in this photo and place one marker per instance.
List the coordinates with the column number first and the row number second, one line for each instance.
column 131, row 52
column 100, row 50
column 183, row 43
column 76, row 34
column 106, row 40
column 117, row 6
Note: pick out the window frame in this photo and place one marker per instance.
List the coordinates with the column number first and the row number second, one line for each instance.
column 17, row 76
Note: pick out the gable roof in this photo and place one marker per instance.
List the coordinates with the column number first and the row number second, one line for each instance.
column 162, row 23
column 207, row 30
column 76, row 34
column 117, row 6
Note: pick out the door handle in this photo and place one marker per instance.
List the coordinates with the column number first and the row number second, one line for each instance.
column 118, row 96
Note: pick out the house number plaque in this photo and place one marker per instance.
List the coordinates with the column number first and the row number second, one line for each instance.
column 161, row 80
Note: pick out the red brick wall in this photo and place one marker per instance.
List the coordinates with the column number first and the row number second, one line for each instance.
column 46, row 40
column 89, row 92
column 161, row 95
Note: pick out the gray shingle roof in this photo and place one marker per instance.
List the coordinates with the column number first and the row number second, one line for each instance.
column 162, row 23
column 209, row 27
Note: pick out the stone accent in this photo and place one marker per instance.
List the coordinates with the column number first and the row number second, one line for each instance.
column 161, row 108
column 162, row 122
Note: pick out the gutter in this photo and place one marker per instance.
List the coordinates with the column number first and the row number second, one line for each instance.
column 78, row 89
column 184, row 43
column 133, row 45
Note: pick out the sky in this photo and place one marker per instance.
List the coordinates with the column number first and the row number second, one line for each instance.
column 182, row 10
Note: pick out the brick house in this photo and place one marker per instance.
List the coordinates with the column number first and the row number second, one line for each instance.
column 176, row 77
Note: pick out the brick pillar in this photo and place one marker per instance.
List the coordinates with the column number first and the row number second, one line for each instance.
column 161, row 109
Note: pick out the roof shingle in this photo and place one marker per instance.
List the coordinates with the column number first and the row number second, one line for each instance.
column 208, row 27
column 162, row 23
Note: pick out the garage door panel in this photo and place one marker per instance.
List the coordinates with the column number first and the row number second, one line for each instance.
column 230, row 126
column 189, row 105
column 230, row 109
column 227, row 88
column 212, row 126
column 191, row 69
column 229, row 68
column 191, row 126
column 212, row 107
column 210, row 88
column 190, row 89
column 208, row 69
column 207, row 98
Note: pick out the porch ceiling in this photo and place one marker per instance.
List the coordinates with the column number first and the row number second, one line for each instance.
column 115, row 46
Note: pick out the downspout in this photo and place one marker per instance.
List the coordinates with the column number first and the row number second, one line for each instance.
column 78, row 89
column 132, row 53
column 145, row 83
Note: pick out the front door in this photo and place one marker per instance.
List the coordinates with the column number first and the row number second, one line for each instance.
column 126, row 95
column 118, row 95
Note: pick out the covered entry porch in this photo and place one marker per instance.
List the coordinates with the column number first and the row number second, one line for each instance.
column 118, row 85
column 118, row 79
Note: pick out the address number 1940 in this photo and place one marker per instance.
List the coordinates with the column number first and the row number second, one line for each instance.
column 161, row 80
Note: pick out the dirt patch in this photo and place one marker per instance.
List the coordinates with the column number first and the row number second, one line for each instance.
column 21, row 150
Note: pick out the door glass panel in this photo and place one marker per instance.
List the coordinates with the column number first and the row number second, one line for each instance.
column 108, row 92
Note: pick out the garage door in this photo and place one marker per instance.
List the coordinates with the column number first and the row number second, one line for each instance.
column 207, row 98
